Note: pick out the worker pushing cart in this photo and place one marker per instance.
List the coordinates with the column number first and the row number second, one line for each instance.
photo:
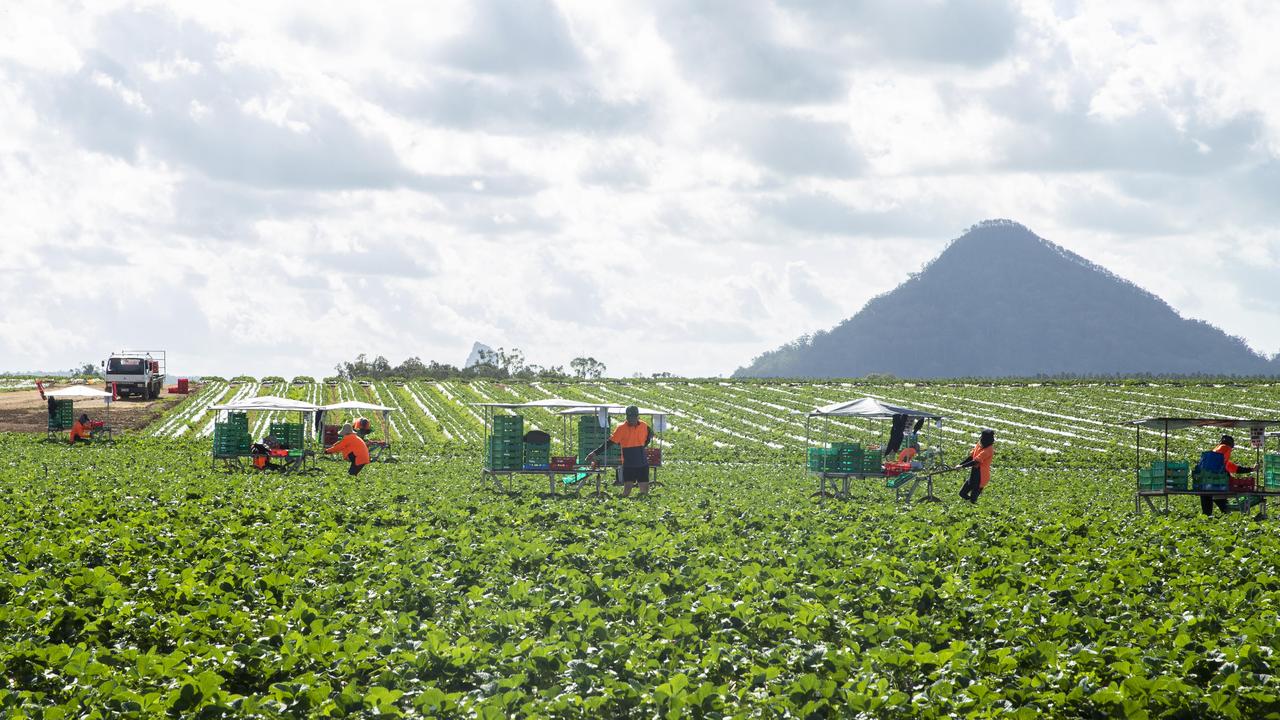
column 633, row 435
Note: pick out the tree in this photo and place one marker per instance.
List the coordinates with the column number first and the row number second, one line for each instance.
column 587, row 367
column 85, row 369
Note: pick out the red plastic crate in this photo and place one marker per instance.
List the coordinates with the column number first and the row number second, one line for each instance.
column 563, row 462
column 654, row 455
column 893, row 469
column 1241, row 484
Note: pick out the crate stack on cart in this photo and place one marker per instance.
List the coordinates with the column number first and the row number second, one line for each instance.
column 289, row 434
column 1271, row 471
column 592, row 436
column 231, row 438
column 506, row 444
column 1164, row 476
column 537, row 455
column 845, row 459
column 63, row 417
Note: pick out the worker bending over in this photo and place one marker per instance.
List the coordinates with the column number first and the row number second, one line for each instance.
column 80, row 431
column 980, row 461
column 352, row 447
column 1225, row 445
column 633, row 436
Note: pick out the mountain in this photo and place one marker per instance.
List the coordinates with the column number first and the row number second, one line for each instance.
column 1003, row 302
column 474, row 357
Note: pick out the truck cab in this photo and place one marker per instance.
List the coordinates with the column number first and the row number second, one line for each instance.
column 135, row 373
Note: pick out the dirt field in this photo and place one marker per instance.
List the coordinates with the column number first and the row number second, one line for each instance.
column 24, row 411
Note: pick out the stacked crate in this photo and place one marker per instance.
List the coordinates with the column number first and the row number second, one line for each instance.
column 231, row 438
column 1164, row 476
column 289, row 434
column 537, row 456
column 845, row 459
column 1271, row 471
column 506, row 444
column 592, row 436
column 63, row 416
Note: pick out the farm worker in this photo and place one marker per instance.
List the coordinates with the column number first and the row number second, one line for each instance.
column 80, row 430
column 980, row 461
column 909, row 453
column 362, row 426
column 352, row 447
column 1225, row 446
column 633, row 436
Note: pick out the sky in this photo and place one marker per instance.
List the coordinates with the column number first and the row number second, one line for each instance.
column 270, row 188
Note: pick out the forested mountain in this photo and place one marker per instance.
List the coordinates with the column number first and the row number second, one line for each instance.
column 1001, row 301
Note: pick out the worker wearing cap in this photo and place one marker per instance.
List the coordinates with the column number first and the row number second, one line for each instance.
column 980, row 461
column 1225, row 445
column 80, row 430
column 633, row 436
column 362, row 426
column 352, row 447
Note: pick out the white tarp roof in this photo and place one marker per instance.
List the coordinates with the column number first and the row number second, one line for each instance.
column 357, row 405
column 269, row 404
column 868, row 408
column 78, row 391
column 548, row 403
column 611, row 409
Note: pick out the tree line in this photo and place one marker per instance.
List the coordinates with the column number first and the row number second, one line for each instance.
column 500, row 364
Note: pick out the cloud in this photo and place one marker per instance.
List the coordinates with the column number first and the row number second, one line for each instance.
column 971, row 33
column 732, row 48
column 519, row 106
column 824, row 214
column 514, row 38
column 797, row 146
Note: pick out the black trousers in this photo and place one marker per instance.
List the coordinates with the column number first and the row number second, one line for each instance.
column 1207, row 503
column 354, row 469
column 972, row 487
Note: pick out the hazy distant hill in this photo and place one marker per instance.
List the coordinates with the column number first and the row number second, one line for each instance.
column 1000, row 302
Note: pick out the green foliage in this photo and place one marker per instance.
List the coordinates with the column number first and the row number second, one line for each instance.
column 139, row 582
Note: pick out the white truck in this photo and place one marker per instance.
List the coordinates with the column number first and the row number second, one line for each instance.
column 137, row 373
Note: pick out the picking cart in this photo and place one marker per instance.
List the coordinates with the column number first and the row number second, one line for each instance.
column 594, row 430
column 232, row 443
column 64, row 416
column 379, row 450
column 1165, row 476
column 837, row 464
column 507, row 454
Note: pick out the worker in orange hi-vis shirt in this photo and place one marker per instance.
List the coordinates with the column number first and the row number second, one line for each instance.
column 980, row 460
column 80, row 430
column 633, row 436
column 352, row 447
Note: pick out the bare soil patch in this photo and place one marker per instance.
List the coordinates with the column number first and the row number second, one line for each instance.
column 23, row 410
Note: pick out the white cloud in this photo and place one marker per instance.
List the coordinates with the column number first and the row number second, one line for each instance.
column 663, row 186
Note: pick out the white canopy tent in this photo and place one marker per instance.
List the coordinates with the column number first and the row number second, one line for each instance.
column 79, row 392
column 378, row 447
column 83, row 392
column 267, row 403
column 867, row 408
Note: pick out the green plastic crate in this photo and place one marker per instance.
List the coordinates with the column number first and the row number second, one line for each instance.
column 537, row 453
column 290, row 434
column 63, row 415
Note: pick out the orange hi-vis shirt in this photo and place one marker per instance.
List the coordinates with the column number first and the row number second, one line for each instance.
column 633, row 439
column 79, row 430
column 907, row 455
column 351, row 444
column 1225, row 452
column 983, row 456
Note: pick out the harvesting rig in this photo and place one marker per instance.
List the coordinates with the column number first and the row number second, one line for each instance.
column 139, row 373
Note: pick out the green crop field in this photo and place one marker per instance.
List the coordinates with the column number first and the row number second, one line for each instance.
column 140, row 581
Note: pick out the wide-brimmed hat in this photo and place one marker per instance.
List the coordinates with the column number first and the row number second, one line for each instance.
column 345, row 430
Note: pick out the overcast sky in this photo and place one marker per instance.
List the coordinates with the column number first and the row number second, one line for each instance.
column 666, row 186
